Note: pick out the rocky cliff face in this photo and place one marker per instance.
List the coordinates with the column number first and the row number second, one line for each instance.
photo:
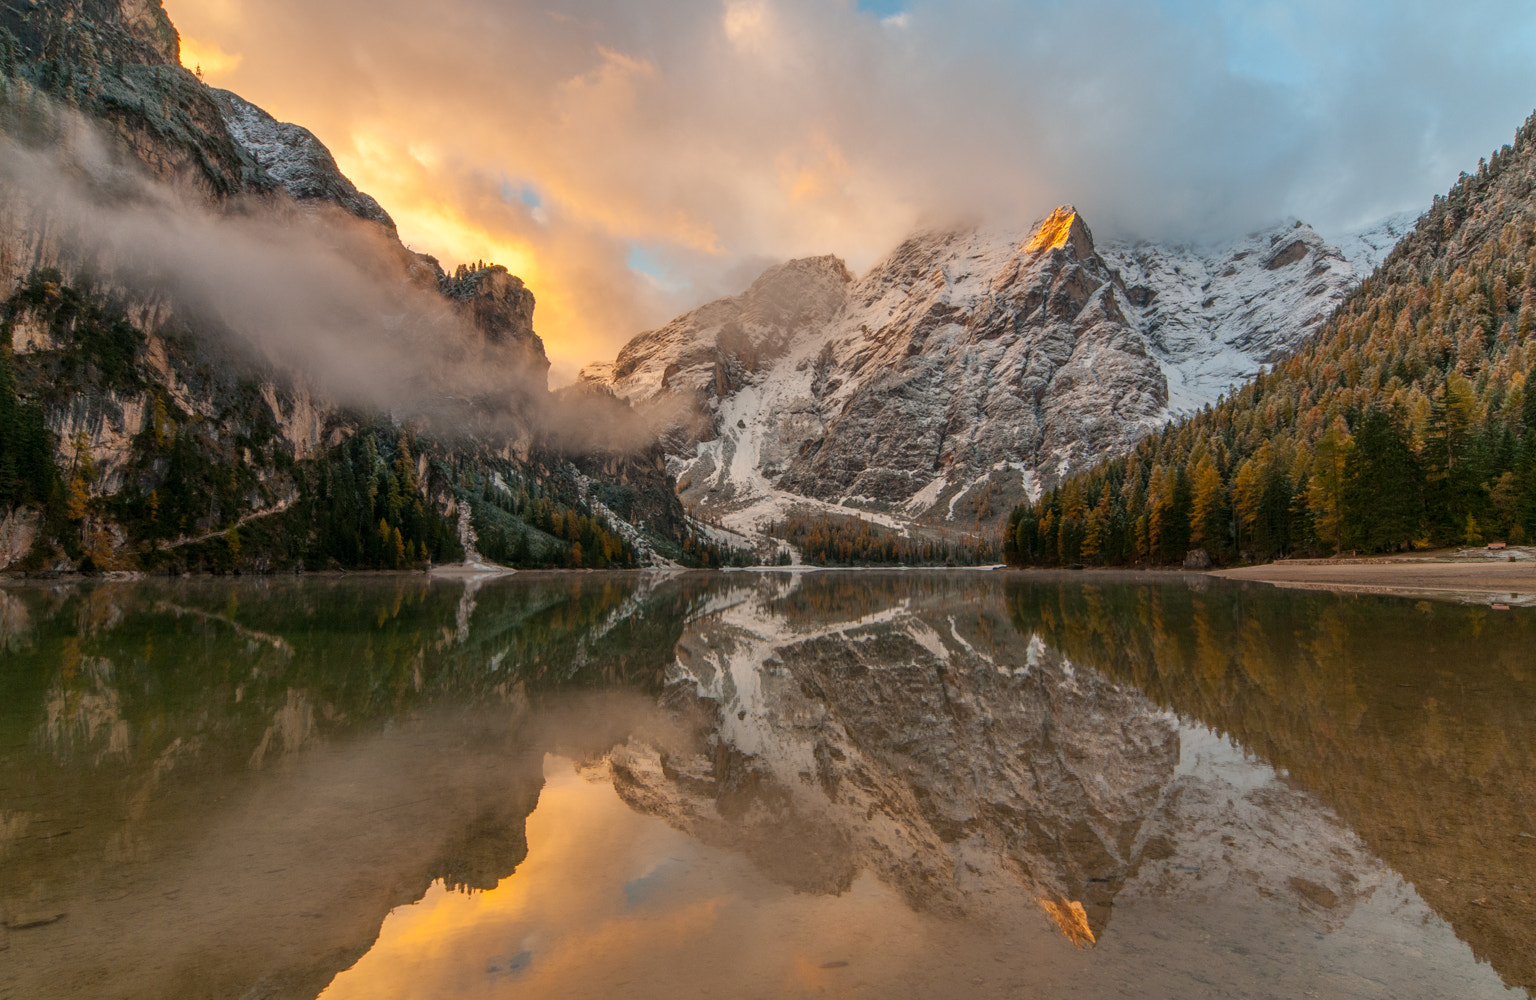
column 144, row 440
column 500, row 306
column 117, row 62
column 966, row 370
column 112, row 31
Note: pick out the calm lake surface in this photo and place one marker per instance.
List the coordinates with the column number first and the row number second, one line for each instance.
column 763, row 785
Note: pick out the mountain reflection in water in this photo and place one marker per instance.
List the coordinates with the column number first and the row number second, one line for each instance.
column 881, row 784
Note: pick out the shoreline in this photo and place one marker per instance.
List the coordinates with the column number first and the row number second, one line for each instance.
column 460, row 572
column 1448, row 576
column 1476, row 579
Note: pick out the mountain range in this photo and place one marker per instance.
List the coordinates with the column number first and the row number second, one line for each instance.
column 1407, row 421
column 968, row 370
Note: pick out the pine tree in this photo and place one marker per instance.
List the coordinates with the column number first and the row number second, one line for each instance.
column 1524, row 529
column 1326, row 487
column 1447, row 483
column 1381, row 501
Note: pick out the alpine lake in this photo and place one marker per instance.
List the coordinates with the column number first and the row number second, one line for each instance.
column 762, row 784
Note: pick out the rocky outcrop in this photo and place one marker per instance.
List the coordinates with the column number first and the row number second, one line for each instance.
column 120, row 31
column 295, row 159
column 720, row 347
column 18, row 532
column 117, row 62
column 500, row 306
column 966, row 370
column 964, row 359
column 702, row 359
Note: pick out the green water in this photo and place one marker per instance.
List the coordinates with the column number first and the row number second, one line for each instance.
column 839, row 784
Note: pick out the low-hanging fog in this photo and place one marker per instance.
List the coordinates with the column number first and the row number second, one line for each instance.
column 330, row 302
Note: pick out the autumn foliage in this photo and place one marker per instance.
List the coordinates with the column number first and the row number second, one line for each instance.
column 1406, row 421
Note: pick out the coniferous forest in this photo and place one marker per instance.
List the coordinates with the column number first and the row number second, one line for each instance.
column 1406, row 422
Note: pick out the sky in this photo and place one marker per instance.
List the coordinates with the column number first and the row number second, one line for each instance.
column 632, row 160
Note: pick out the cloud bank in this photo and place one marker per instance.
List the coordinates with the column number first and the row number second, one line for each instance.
column 629, row 160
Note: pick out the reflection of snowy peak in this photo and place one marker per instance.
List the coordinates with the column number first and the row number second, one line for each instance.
column 968, row 368
column 961, row 763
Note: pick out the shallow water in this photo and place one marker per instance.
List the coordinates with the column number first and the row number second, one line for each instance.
column 738, row 785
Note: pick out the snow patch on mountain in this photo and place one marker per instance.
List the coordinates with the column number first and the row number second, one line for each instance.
column 1212, row 315
column 1367, row 247
column 295, row 158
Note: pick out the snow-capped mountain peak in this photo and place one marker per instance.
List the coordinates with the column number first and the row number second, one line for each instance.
column 968, row 369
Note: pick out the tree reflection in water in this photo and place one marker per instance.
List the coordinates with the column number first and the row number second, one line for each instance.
column 244, row 779
column 1415, row 722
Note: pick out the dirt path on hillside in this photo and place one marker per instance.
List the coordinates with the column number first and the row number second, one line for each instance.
column 276, row 508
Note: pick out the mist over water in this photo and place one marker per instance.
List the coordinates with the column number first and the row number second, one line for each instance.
column 919, row 784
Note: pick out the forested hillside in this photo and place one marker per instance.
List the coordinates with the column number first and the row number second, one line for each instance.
column 1404, row 423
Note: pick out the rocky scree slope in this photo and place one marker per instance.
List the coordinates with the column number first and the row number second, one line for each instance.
column 130, row 441
column 968, row 370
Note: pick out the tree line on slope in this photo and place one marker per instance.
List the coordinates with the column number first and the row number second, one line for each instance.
column 521, row 521
column 857, row 542
column 1406, row 421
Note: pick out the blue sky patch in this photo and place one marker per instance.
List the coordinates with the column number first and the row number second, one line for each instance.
column 883, row 8
column 521, row 194
column 655, row 262
column 646, row 260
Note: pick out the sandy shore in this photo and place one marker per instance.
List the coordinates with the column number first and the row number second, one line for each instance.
column 1483, row 579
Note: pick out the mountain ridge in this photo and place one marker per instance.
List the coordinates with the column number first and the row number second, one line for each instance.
column 967, row 370
column 1407, row 421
